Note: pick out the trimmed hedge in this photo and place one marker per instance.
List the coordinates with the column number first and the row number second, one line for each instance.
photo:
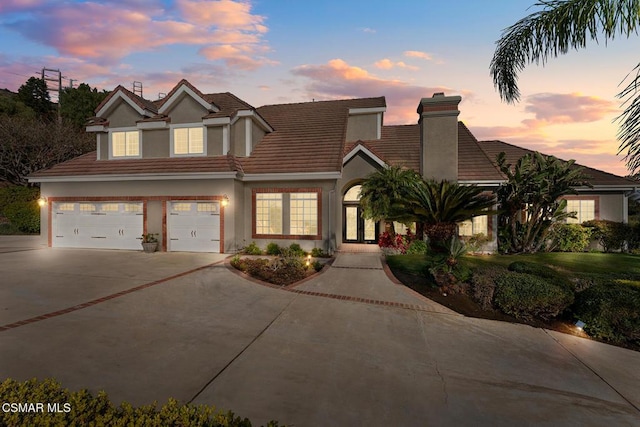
column 19, row 206
column 611, row 312
column 85, row 409
column 571, row 237
column 610, row 234
column 526, row 296
column 541, row 271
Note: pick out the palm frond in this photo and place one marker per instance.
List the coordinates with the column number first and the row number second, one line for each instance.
column 629, row 131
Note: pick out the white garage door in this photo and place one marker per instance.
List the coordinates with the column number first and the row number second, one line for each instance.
column 194, row 226
column 100, row 225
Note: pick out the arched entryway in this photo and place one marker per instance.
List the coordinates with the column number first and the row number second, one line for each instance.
column 356, row 229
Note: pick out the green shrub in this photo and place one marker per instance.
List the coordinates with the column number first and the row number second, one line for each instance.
column 25, row 216
column 610, row 311
column 526, row 296
column 418, row 247
column 610, row 234
column 252, row 249
column 317, row 265
column 570, row 237
column 296, row 250
column 483, row 285
column 85, row 409
column 318, row 253
column 541, row 271
column 273, row 249
column 16, row 193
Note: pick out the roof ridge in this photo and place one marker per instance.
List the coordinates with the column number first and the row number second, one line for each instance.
column 323, row 101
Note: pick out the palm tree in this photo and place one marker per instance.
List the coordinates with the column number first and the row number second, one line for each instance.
column 441, row 205
column 568, row 24
column 385, row 195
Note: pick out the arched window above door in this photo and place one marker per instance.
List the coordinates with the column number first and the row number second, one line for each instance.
column 353, row 194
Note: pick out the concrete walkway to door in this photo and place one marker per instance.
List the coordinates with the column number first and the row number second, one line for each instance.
column 361, row 275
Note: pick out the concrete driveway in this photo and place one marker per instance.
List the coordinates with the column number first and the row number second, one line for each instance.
column 329, row 351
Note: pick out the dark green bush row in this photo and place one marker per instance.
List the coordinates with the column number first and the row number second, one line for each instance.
column 84, row 409
column 541, row 271
column 18, row 204
column 611, row 312
column 526, row 296
column 611, row 235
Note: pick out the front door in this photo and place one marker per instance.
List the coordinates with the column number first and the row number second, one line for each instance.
column 357, row 229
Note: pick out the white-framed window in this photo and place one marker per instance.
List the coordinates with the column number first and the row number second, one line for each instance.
column 476, row 225
column 187, row 140
column 303, row 214
column 125, row 143
column 585, row 210
column 269, row 213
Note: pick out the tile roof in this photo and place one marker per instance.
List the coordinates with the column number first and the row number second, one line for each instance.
column 513, row 153
column 87, row 165
column 308, row 137
column 184, row 82
column 400, row 145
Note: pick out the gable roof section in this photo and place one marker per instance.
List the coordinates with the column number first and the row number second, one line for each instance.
column 513, row 153
column 184, row 87
column 473, row 163
column 307, row 137
column 142, row 106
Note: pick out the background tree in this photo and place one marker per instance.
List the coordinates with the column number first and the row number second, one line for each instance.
column 34, row 94
column 10, row 105
column 568, row 24
column 78, row 104
column 530, row 201
column 28, row 145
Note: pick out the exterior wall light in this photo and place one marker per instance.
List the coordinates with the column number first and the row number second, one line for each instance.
column 225, row 201
column 42, row 201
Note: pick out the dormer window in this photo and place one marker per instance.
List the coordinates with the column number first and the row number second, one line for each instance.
column 187, row 140
column 125, row 144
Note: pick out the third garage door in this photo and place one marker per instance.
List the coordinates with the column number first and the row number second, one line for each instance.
column 194, row 226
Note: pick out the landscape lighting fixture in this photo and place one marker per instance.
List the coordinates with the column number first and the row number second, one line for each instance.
column 580, row 324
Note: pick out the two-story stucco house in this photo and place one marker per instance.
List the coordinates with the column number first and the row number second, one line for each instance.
column 211, row 173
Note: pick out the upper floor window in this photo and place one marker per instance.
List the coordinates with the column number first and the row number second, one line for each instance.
column 585, row 210
column 187, row 141
column 125, row 143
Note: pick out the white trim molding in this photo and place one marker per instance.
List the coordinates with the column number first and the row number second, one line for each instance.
column 295, row 176
column 96, row 128
column 137, row 177
column 248, row 135
column 186, row 90
column 125, row 129
column 256, row 117
column 225, row 139
column 216, row 121
column 159, row 124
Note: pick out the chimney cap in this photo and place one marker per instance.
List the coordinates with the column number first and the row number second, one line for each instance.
column 437, row 94
column 439, row 103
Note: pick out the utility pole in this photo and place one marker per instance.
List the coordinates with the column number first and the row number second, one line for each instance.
column 137, row 88
column 54, row 76
column 71, row 83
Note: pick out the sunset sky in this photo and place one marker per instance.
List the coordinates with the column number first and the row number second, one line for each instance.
column 278, row 51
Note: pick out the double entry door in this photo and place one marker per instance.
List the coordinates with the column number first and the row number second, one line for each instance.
column 357, row 229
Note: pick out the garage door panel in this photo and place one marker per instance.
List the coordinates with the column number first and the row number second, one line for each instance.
column 194, row 227
column 108, row 225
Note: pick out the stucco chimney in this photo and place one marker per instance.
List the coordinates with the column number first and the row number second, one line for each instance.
column 439, row 136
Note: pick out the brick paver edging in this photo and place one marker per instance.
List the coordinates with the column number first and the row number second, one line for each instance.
column 100, row 300
column 292, row 288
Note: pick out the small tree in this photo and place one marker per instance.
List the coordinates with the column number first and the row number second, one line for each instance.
column 441, row 205
column 386, row 193
column 78, row 104
column 530, row 201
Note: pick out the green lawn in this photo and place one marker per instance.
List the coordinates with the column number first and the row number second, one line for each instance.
column 621, row 267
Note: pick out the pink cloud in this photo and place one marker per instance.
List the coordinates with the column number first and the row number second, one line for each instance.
column 107, row 32
column 568, row 107
column 337, row 79
column 9, row 6
column 418, row 54
column 387, row 64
